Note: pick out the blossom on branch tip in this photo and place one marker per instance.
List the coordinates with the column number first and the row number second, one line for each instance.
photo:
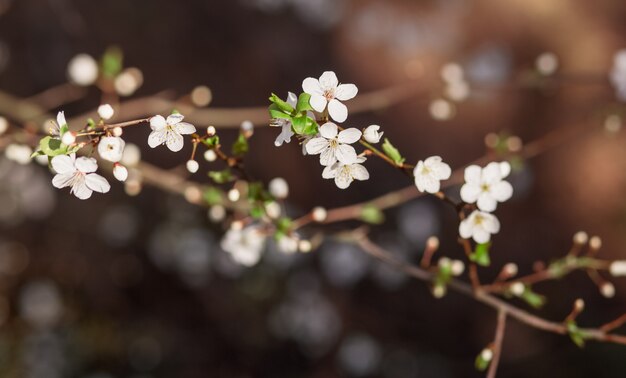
column 371, row 134
column 245, row 245
column 111, row 148
column 333, row 145
column 328, row 92
column 429, row 173
column 344, row 174
column 105, row 111
column 169, row 131
column 486, row 186
column 479, row 226
column 78, row 173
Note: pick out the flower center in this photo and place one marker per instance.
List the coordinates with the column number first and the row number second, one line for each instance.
column 485, row 187
column 333, row 143
column 329, row 94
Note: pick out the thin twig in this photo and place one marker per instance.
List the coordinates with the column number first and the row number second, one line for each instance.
column 497, row 344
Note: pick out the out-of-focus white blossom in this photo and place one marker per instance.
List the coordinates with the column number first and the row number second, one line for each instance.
column 131, row 156
column 245, row 245
column 78, row 173
column 128, row 81
column 210, row 155
column 111, row 148
column 192, row 166
column 169, row 131
column 333, row 145
column 618, row 74
column 105, row 111
column 279, row 188
column 429, row 173
column 4, row 125
column 344, row 174
column 288, row 244
column 618, row 268
column 328, row 92
column 486, row 186
column 19, row 153
column 82, row 70
column 479, row 226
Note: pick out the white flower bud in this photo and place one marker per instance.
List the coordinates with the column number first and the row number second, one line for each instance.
column 217, row 213
column 110, row 148
column 201, row 95
column 547, row 63
column 595, row 243
column 133, row 187
column 68, row 138
column 457, row 267
column 279, row 188
column 192, row 166
column 247, row 126
column 607, row 290
column 441, row 110
column 127, row 82
column 579, row 305
column 105, row 111
column 233, row 195
column 432, row 242
column 82, row 70
column 305, row 246
column 210, row 131
column 452, row 72
column 486, row 354
column 193, row 194
column 581, row 237
column 444, row 262
column 618, row 268
column 439, row 291
column 319, row 214
column 372, row 135
column 510, row 269
column 120, row 172
column 118, row 131
column 517, row 288
column 210, row 155
column 4, row 125
column 273, row 210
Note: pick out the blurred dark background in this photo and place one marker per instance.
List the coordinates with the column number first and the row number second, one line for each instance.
column 122, row 286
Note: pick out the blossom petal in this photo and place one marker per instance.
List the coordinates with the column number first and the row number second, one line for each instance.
column 80, row 190
column 316, row 145
column 63, row 164
column 312, row 86
column 157, row 138
column 318, row 102
column 292, row 99
column 157, row 123
column 337, row 111
column 345, row 154
column 184, row 128
column 349, row 136
column 62, row 180
column 174, row 141
column 346, row 92
column 505, row 168
column 359, row 172
column 175, row 118
column 492, row 173
column 470, row 193
column 502, row 191
column 343, row 179
column 97, row 183
column 328, row 130
column 328, row 80
column 427, row 183
column 330, row 171
column 328, row 157
column 466, row 228
column 473, row 174
column 86, row 165
column 481, row 236
column 491, row 223
column 486, row 202
column 61, row 119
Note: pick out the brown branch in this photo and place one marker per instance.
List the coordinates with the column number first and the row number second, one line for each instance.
column 497, row 344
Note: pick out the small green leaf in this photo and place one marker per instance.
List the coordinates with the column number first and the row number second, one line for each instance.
column 392, row 152
column 282, row 105
column 221, row 177
column 213, row 196
column 533, row 299
column 481, row 255
column 240, row 147
column 52, row 146
column 211, row 142
column 575, row 334
column 275, row 112
column 91, row 124
column 257, row 211
column 304, row 103
column 480, row 363
column 283, row 226
column 256, row 192
column 372, row 214
column 112, row 60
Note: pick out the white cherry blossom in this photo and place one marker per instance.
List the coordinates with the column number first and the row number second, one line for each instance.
column 371, row 134
column 105, row 111
column 82, row 70
column 429, row 173
column 344, row 174
column 286, row 132
column 78, row 173
column 169, row 131
column 245, row 245
column 479, row 226
column 328, row 92
column 55, row 127
column 111, row 148
column 486, row 186
column 333, row 145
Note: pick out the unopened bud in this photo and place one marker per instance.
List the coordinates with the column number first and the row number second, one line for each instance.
column 192, row 166
column 210, row 131
column 595, row 243
column 319, row 214
column 68, row 138
column 517, row 288
column 233, row 195
column 210, row 155
column 581, row 238
column 118, row 131
column 607, row 290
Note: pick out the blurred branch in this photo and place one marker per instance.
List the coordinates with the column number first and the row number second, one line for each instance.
column 497, row 344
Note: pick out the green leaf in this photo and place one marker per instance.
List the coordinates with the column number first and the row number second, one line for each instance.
column 372, row 214
column 63, row 129
column 111, row 63
column 533, row 299
column 52, row 147
column 480, row 363
column 240, row 147
column 257, row 211
column 283, row 226
column 303, row 104
column 304, row 125
column 256, row 192
column 275, row 112
column 575, row 334
column 221, row 177
column 91, row 124
column 311, row 128
column 481, row 255
column 211, row 142
column 213, row 196
column 392, row 152
column 282, row 105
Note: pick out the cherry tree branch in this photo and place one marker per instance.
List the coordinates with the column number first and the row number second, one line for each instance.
column 497, row 344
